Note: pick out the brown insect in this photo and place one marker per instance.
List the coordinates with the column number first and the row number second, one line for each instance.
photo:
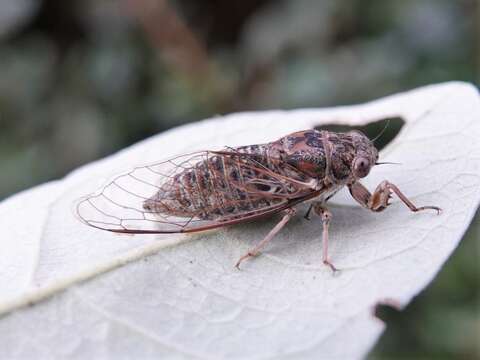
column 210, row 189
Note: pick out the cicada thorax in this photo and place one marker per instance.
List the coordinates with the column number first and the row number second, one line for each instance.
column 223, row 184
column 324, row 155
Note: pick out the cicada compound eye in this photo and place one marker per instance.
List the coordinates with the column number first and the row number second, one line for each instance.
column 361, row 167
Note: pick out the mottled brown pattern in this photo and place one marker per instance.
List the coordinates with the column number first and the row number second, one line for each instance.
column 221, row 185
column 240, row 179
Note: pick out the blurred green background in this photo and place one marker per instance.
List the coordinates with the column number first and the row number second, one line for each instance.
column 82, row 79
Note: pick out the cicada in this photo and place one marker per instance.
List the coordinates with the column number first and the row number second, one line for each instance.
column 210, row 189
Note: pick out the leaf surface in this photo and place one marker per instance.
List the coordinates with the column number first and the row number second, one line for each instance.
column 114, row 296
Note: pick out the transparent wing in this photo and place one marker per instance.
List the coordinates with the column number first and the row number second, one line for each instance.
column 192, row 192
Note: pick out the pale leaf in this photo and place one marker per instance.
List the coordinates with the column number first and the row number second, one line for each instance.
column 111, row 296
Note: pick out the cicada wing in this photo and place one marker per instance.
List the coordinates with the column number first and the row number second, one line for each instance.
column 222, row 189
column 267, row 177
column 120, row 204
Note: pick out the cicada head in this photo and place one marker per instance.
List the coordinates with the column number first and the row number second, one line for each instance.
column 366, row 155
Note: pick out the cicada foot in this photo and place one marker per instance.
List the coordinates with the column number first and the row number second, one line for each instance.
column 331, row 266
column 245, row 257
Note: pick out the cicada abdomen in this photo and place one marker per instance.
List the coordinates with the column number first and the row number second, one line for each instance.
column 221, row 185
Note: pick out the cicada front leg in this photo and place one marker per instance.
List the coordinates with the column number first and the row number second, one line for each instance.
column 289, row 213
column 378, row 201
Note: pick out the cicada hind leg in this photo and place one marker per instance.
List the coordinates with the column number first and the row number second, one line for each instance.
column 289, row 213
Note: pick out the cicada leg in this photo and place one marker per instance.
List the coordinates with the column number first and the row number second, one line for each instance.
column 307, row 215
column 378, row 201
column 326, row 217
column 289, row 213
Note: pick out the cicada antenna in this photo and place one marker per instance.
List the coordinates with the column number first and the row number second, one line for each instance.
column 383, row 131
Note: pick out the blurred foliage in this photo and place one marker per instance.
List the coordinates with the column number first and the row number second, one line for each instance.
column 82, row 79
column 381, row 132
column 443, row 322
